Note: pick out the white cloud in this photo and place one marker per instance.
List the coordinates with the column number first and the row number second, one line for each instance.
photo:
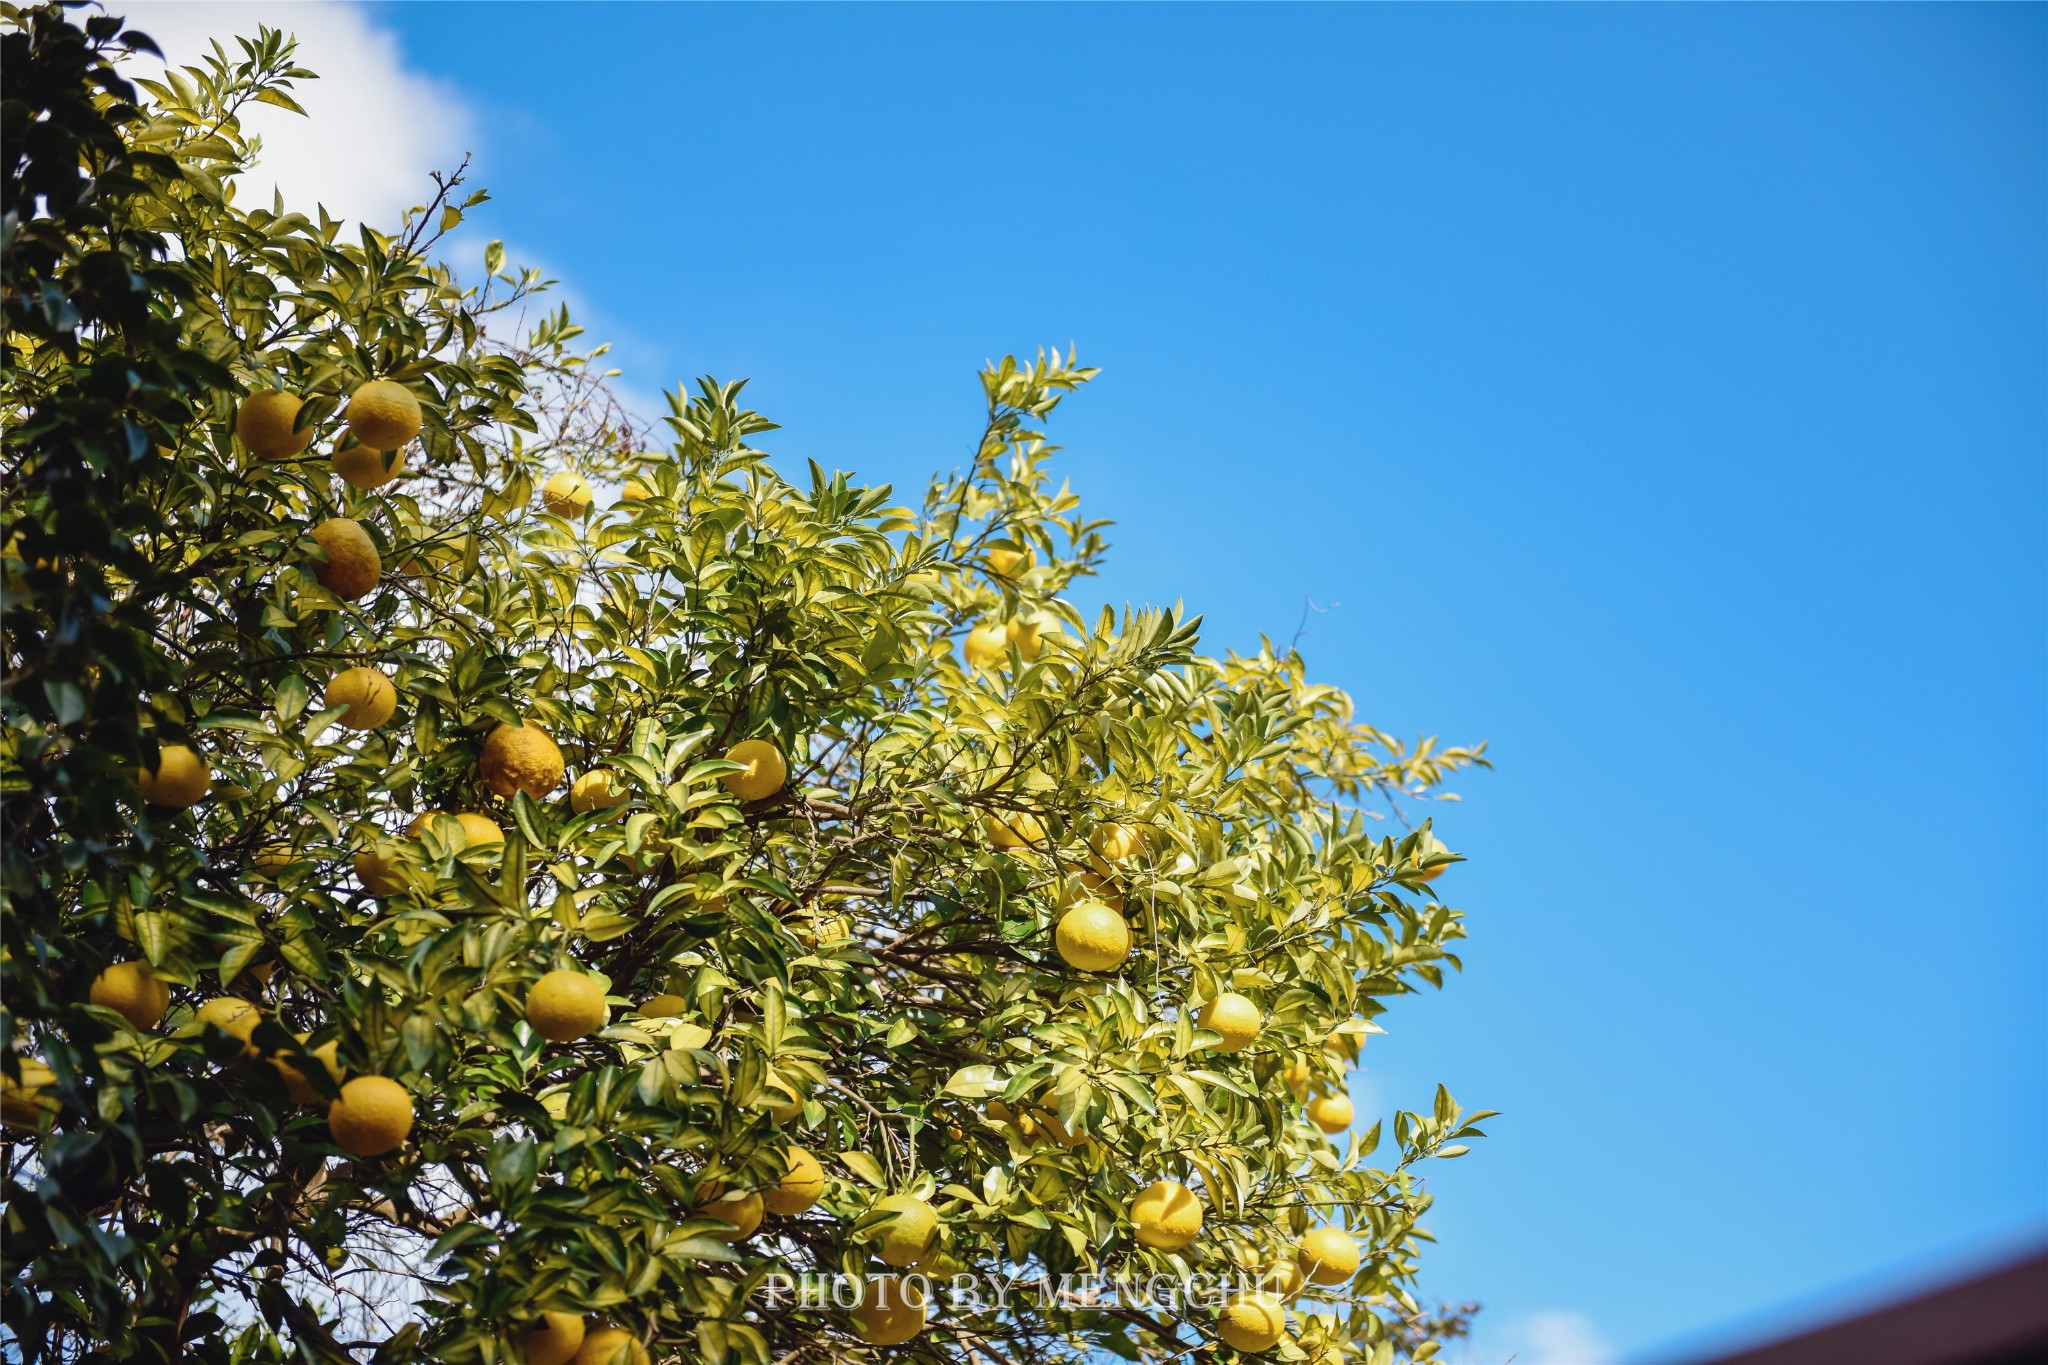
column 374, row 128
column 1560, row 1338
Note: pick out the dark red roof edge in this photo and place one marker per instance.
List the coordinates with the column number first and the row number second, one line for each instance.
column 1996, row 1318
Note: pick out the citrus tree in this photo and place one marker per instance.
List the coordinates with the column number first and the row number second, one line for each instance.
column 454, row 914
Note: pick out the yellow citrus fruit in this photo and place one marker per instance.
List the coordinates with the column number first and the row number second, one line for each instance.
column 1282, row 1276
column 372, row 1116
column 986, row 646
column 784, row 1105
column 1344, row 1046
column 1092, row 885
column 383, row 414
column 566, row 1004
column 765, row 772
column 1118, row 843
column 800, row 1187
column 27, row 1103
column 368, row 695
column 179, row 778
column 1024, row 635
column 1428, row 847
column 1005, row 562
column 610, row 1346
column 479, row 829
column 521, row 758
column 891, row 1310
column 1166, row 1215
column 1328, row 1256
column 1251, row 1322
column 999, row 1112
column 596, row 790
column 1295, row 1076
column 353, row 568
column 1015, row 830
column 362, row 467
column 554, row 1341
column 635, row 490
column 264, row 422
column 908, row 1236
column 1234, row 1017
column 449, row 827
column 1093, row 938
column 1331, row 1113
column 740, row 1212
column 131, row 991
column 1053, row 1126
column 566, row 494
column 328, row 1054
column 377, row 868
column 233, row 1016
column 271, row 860
column 663, row 1006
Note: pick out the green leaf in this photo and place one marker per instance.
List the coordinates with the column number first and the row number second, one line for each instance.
column 865, row 1167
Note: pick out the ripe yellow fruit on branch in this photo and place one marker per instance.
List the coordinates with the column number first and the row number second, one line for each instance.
column 635, row 490
column 1282, row 1276
column 800, row 1187
column 911, row 1231
column 783, row 1104
column 554, row 1341
column 1118, row 843
column 596, row 790
column 133, row 992
column 1251, row 1322
column 565, row 1005
column 328, row 1054
column 1331, row 1113
column 368, row 695
column 986, row 646
column 1023, row 635
column 1328, row 1256
column 611, row 1346
column 521, row 758
column 272, row 859
column 179, row 779
column 264, row 422
column 1237, row 1019
column 383, row 414
column 891, row 1310
column 765, row 772
column 1015, row 830
column 27, row 1104
column 372, row 1117
column 740, row 1212
column 1166, row 1215
column 362, row 467
column 1093, row 938
column 479, row 829
column 353, row 568
column 663, row 1006
column 1428, row 847
column 1005, row 562
column 566, row 494
column 233, row 1016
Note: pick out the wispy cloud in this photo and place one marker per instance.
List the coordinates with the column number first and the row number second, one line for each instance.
column 375, row 127
column 1560, row 1337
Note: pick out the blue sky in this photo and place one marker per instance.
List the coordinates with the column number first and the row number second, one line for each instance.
column 1656, row 393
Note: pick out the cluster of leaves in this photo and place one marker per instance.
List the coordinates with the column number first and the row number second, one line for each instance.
column 862, row 969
